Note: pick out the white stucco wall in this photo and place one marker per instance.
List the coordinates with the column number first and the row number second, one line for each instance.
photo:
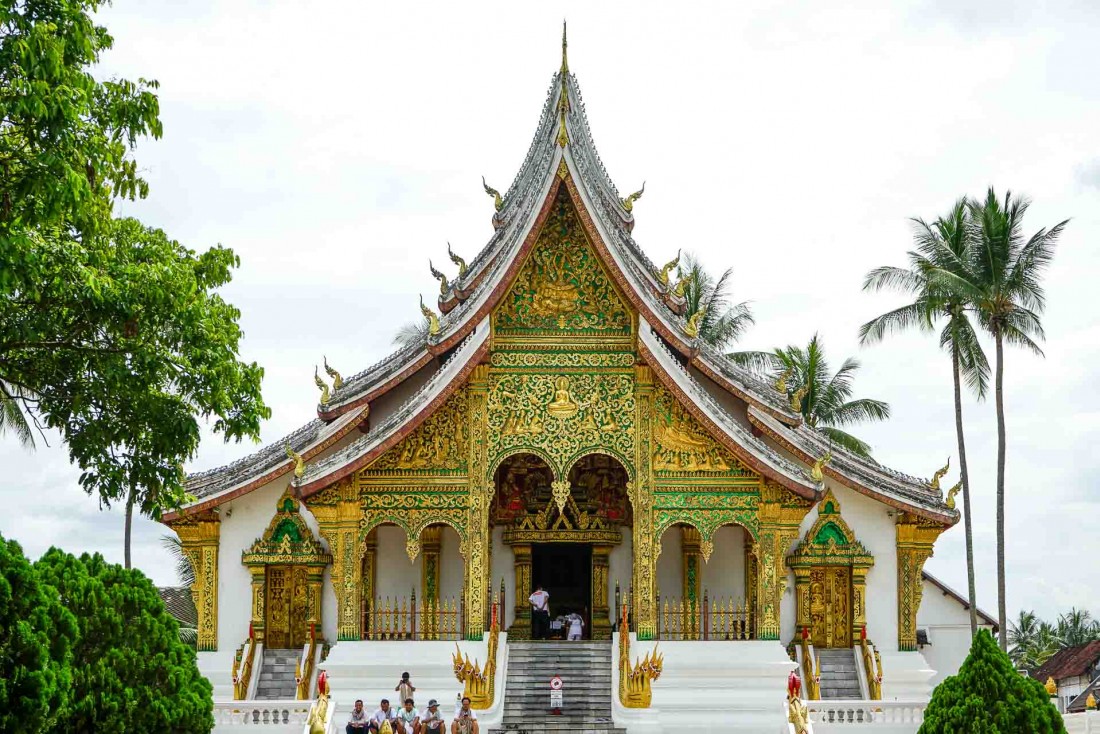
column 394, row 575
column 451, row 566
column 620, row 570
column 503, row 566
column 724, row 574
column 670, row 566
column 873, row 524
column 948, row 626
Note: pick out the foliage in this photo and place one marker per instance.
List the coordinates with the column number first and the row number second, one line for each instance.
column 988, row 697
column 36, row 635
column 185, row 572
column 1031, row 641
column 131, row 672
column 826, row 403
column 1077, row 627
column 411, row 333
column 724, row 321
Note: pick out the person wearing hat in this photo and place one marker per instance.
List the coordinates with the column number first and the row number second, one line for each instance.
column 432, row 721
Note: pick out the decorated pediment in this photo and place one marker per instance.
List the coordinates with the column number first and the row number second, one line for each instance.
column 287, row 540
column 562, row 288
column 562, row 520
column 439, row 444
column 682, row 447
column 830, row 541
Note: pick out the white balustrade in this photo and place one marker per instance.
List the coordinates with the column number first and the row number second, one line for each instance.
column 867, row 713
column 272, row 716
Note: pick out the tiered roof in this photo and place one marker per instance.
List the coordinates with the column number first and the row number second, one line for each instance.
column 563, row 153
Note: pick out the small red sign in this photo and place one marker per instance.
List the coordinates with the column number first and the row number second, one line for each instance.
column 555, row 683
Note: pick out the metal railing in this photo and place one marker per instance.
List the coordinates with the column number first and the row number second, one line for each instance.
column 406, row 618
column 712, row 618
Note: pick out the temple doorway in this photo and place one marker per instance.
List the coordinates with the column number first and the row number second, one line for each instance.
column 565, row 571
column 286, row 606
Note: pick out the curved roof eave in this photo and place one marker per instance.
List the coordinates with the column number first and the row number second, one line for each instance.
column 895, row 489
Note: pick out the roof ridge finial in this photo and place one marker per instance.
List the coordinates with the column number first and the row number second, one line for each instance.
column 564, row 48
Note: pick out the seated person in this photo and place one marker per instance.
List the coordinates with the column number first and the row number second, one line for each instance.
column 432, row 722
column 408, row 718
column 384, row 713
column 357, row 722
column 465, row 719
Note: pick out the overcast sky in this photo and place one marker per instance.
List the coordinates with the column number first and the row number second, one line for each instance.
column 336, row 147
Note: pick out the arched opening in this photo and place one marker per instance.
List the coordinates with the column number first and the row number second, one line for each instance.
column 412, row 591
column 705, row 593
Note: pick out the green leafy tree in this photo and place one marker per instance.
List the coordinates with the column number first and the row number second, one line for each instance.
column 36, row 635
column 110, row 332
column 1031, row 641
column 1001, row 283
column 945, row 243
column 988, row 696
column 724, row 321
column 1077, row 627
column 130, row 671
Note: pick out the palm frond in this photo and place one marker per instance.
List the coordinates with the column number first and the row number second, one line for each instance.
column 185, row 572
column 847, row 441
column 411, row 333
column 757, row 362
column 858, row 411
column 12, row 418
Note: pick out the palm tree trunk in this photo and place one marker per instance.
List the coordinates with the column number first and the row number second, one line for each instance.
column 129, row 525
column 1002, row 616
column 972, row 596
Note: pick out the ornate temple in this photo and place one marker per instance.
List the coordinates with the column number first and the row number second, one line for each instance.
column 561, row 424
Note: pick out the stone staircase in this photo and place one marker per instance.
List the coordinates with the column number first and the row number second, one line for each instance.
column 839, row 679
column 585, row 670
column 277, row 675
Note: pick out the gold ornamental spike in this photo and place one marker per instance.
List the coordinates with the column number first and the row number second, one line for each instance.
column 950, row 502
column 796, row 399
column 498, row 202
column 404, row 615
column 691, row 329
column 337, row 380
column 433, row 320
column 935, row 483
column 628, row 202
column 564, row 49
column 817, row 473
column 320, row 385
column 444, row 284
column 456, row 260
column 666, row 271
column 299, row 463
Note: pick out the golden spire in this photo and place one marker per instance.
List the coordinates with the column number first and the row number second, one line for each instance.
column 433, row 320
column 337, row 380
column 320, row 386
column 940, row 474
column 456, row 260
column 498, row 202
column 563, row 98
column 299, row 463
column 628, row 202
column 564, row 47
column 444, row 284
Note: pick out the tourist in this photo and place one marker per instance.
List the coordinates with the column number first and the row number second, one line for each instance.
column 384, row 713
column 408, row 718
column 432, row 723
column 465, row 719
column 540, row 614
column 405, row 688
column 576, row 626
column 357, row 722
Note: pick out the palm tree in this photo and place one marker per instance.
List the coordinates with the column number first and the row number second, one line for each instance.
column 1001, row 283
column 723, row 322
column 944, row 243
column 1022, row 636
column 12, row 417
column 1077, row 627
column 413, row 332
column 185, row 572
column 825, row 399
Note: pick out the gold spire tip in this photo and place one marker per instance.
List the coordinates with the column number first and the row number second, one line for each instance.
column 564, row 47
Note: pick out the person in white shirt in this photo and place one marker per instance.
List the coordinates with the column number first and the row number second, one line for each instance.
column 576, row 626
column 465, row 719
column 357, row 722
column 408, row 718
column 540, row 613
column 433, row 723
column 384, row 713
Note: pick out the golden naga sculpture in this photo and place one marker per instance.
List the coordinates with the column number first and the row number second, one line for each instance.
column 628, row 202
column 781, row 381
column 337, row 380
column 497, row 201
column 666, row 271
column 444, row 284
column 319, row 713
column 299, row 462
column 433, row 320
column 797, row 712
column 935, row 483
column 680, row 289
column 1051, row 686
column 796, row 399
column 320, row 386
column 951, row 495
column 817, row 472
column 477, row 681
column 691, row 329
column 636, row 681
column 456, row 260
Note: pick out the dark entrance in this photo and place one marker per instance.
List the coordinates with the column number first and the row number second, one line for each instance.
column 565, row 571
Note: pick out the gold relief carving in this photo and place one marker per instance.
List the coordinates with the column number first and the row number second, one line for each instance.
column 415, row 501
column 706, row 548
column 562, row 286
column 555, row 359
column 915, row 538
column 561, row 420
column 412, row 548
column 681, row 445
column 439, row 443
column 560, row 491
column 199, row 538
column 640, row 491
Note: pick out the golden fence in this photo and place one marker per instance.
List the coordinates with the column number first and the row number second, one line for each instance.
column 406, row 618
column 717, row 618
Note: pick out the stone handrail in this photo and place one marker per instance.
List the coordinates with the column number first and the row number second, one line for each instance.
column 867, row 713
column 229, row 715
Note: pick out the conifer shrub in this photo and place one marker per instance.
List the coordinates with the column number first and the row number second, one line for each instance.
column 988, row 696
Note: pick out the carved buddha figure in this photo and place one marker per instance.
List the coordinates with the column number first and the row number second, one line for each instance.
column 563, row 405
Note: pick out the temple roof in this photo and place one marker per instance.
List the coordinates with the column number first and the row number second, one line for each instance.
column 562, row 153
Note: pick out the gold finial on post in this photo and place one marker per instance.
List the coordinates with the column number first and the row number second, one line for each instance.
column 817, row 472
column 498, row 202
column 456, row 260
column 444, row 284
column 935, row 483
column 433, row 320
column 564, row 49
column 320, row 385
column 693, row 324
column 628, row 202
column 1051, row 686
column 337, row 380
column 666, row 271
column 299, row 462
column 1090, row 703
column 950, row 502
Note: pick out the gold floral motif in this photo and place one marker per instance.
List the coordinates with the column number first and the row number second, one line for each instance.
column 560, row 491
column 199, row 537
column 915, row 538
column 555, row 359
column 438, row 444
column 681, row 445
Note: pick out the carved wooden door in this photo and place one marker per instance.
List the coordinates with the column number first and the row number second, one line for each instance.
column 287, row 607
column 831, row 607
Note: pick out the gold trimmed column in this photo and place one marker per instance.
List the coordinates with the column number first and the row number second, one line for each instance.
column 481, row 489
column 859, row 601
column 802, row 599
column 315, row 583
column 199, row 538
column 640, row 492
column 367, row 578
column 690, row 542
column 752, row 580
column 601, row 612
column 338, row 512
column 521, row 627
column 780, row 513
column 915, row 538
column 259, row 600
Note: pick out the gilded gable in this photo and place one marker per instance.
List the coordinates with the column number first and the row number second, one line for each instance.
column 439, row 443
column 681, row 446
column 563, row 287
